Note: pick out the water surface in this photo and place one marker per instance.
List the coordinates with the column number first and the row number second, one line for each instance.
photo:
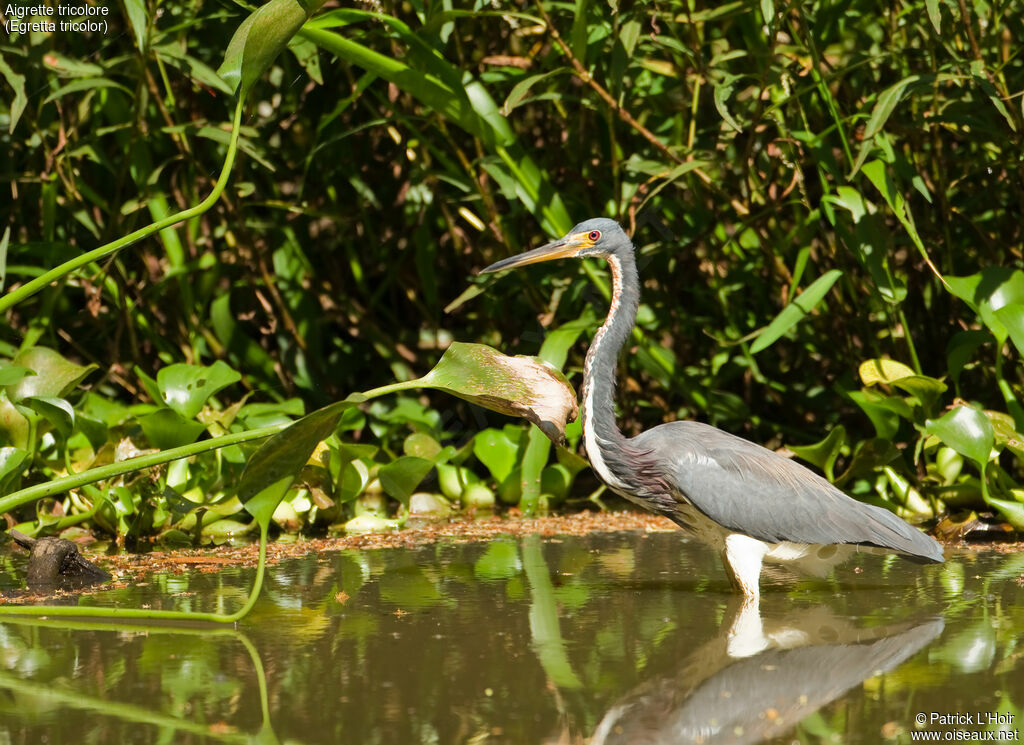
column 609, row 638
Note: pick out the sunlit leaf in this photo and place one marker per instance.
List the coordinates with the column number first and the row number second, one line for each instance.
column 883, row 371
column 11, row 374
column 57, row 411
column 187, row 388
column 260, row 38
column 793, row 313
column 12, row 461
column 517, row 386
column 823, row 454
column 54, row 375
column 988, row 291
column 167, row 429
column 967, row 430
column 401, row 477
column 1012, row 512
column 494, row 449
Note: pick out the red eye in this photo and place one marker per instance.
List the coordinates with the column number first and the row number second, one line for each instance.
column 594, row 235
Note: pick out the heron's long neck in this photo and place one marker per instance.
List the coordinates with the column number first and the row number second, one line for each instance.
column 599, row 370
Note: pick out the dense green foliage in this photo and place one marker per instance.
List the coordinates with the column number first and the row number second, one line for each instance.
column 864, row 154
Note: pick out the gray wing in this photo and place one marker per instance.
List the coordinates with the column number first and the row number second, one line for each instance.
column 751, row 490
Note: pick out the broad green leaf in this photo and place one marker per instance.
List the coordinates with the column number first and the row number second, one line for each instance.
column 15, row 428
column 517, row 386
column 823, row 454
column 494, row 449
column 1012, row 318
column 988, row 291
column 274, row 466
column 868, row 457
column 12, row 461
column 260, row 38
column 880, row 410
column 20, row 101
column 768, row 12
column 54, row 375
column 401, row 477
column 793, row 313
column 187, row 388
column 967, row 430
column 925, row 389
column 57, row 411
column 166, row 429
column 421, row 445
column 1012, row 512
column 883, row 371
column 11, row 374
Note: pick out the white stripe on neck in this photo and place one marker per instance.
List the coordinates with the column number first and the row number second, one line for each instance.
column 590, row 439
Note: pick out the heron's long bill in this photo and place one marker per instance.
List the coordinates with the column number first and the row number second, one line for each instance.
column 560, row 249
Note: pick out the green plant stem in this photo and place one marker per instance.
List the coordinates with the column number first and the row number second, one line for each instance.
column 33, row 286
column 57, row 486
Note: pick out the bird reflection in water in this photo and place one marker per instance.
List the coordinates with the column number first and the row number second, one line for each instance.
column 758, row 679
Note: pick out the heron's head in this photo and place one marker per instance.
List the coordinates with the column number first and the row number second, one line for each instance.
column 598, row 236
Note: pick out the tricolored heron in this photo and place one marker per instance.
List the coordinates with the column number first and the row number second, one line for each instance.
column 747, row 502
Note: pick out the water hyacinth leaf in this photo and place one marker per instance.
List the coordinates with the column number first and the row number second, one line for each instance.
column 793, row 313
column 11, row 374
column 57, row 411
column 925, row 389
column 167, row 429
column 494, row 449
column 823, row 454
column 967, row 430
column 15, row 428
column 401, row 477
column 879, row 409
column 1012, row 512
column 516, row 386
column 274, row 466
column 186, row 388
column 12, row 461
column 868, row 457
column 54, row 375
column 421, row 445
column 260, row 38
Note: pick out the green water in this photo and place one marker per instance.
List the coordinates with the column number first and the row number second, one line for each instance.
column 611, row 638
